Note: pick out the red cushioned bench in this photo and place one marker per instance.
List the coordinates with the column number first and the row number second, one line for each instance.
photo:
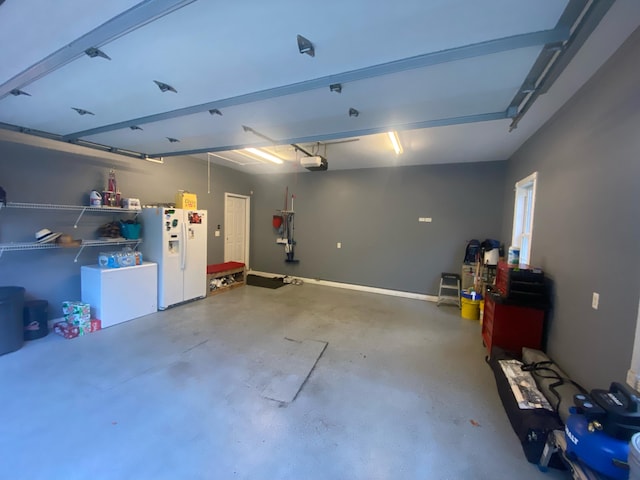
column 236, row 270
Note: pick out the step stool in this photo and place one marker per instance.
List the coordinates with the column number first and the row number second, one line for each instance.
column 449, row 291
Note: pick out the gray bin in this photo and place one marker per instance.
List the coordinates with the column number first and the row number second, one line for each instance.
column 11, row 312
column 36, row 315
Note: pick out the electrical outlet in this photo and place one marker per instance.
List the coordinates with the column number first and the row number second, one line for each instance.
column 595, row 300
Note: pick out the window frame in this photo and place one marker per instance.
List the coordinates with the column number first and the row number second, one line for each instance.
column 523, row 215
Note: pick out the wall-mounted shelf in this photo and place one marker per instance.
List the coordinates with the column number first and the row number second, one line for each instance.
column 12, row 247
column 73, row 208
column 17, row 246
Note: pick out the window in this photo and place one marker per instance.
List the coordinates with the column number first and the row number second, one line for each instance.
column 523, row 216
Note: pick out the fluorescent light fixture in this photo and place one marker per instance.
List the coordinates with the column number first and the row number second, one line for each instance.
column 397, row 146
column 242, row 161
column 154, row 159
column 265, row 155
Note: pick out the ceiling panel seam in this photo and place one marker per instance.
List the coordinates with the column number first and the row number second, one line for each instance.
column 136, row 17
column 84, row 143
column 543, row 37
column 443, row 122
column 557, row 63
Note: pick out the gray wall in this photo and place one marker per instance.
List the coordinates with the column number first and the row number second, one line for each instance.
column 374, row 214
column 586, row 233
column 36, row 175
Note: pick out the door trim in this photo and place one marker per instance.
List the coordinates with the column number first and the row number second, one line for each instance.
column 247, row 224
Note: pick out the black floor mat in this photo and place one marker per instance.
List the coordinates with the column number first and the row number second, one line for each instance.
column 266, row 282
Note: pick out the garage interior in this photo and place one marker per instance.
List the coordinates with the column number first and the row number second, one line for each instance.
column 355, row 373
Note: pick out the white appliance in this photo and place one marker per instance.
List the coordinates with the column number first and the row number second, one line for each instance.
column 120, row 294
column 314, row 163
column 176, row 240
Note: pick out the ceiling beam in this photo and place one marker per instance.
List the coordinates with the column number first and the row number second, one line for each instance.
column 145, row 12
column 442, row 122
column 584, row 23
column 524, row 40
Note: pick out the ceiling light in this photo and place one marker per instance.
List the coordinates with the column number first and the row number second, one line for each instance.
column 241, row 161
column 215, row 111
column 263, row 154
column 397, row 146
column 153, row 159
column 335, row 87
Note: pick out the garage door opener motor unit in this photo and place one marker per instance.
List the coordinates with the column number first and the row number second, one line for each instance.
column 314, row 163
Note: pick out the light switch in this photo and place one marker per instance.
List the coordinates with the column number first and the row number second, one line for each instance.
column 595, row 300
column 217, row 234
column 339, row 245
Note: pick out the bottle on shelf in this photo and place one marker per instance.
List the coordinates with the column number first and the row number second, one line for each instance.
column 112, row 184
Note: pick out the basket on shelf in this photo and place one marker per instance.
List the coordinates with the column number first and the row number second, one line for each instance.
column 130, row 231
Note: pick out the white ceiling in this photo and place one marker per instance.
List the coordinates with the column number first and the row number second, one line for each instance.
column 443, row 73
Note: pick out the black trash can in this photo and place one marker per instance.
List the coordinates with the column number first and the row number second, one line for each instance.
column 11, row 311
column 36, row 315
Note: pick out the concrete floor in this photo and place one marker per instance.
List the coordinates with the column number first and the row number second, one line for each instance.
column 401, row 391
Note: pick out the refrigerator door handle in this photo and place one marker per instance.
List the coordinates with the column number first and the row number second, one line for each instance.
column 183, row 250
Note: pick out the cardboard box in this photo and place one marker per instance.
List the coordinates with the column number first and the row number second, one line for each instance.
column 77, row 318
column 66, row 330
column 69, row 330
column 69, row 308
column 186, row 200
column 84, row 328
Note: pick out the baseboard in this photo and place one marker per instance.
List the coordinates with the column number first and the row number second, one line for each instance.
column 350, row 286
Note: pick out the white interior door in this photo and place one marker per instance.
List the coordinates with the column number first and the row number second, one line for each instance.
column 236, row 228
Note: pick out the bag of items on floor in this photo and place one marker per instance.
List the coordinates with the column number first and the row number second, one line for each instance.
column 531, row 415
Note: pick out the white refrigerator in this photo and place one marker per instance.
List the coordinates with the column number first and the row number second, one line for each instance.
column 176, row 240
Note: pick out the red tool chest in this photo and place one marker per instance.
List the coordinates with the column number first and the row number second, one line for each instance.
column 510, row 326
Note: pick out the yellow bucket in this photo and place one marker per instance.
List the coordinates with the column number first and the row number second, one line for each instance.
column 470, row 309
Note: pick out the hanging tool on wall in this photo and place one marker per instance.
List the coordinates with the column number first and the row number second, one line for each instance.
column 289, row 248
column 285, row 223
